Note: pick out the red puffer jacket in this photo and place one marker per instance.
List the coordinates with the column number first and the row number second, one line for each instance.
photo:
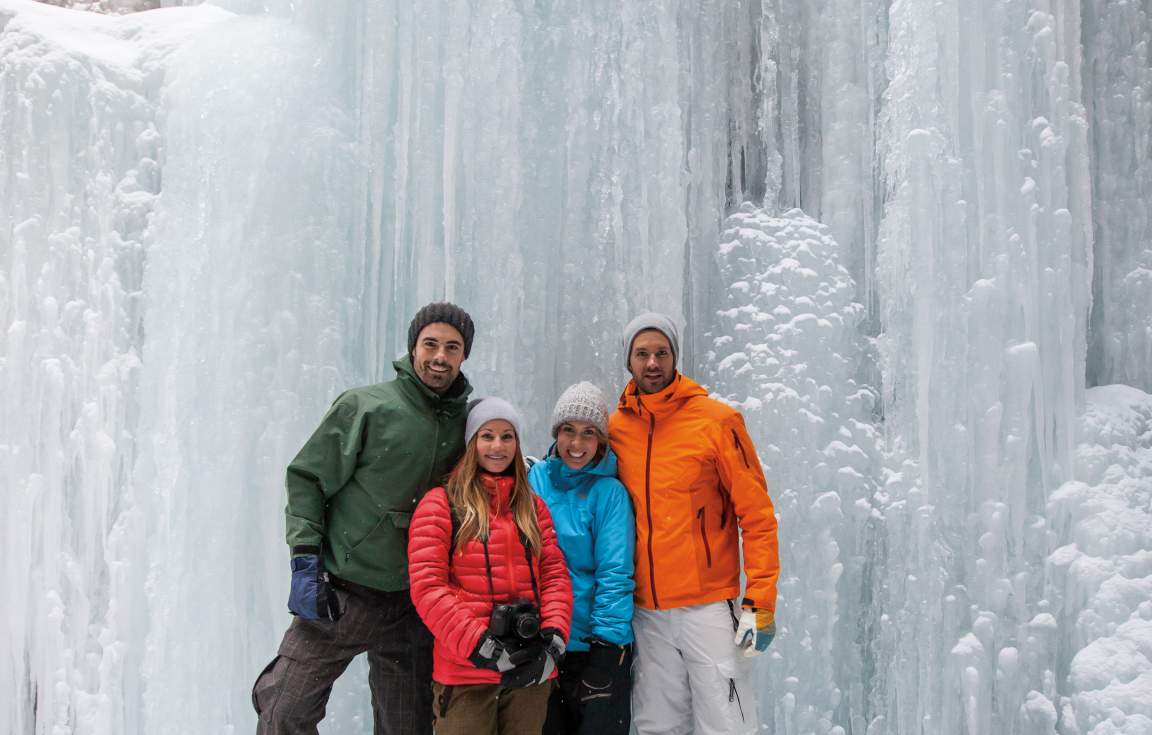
column 452, row 596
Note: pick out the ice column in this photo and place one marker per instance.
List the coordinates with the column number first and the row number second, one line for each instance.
column 81, row 171
column 786, row 352
column 820, row 78
column 252, row 315
column 1118, row 92
column 984, row 269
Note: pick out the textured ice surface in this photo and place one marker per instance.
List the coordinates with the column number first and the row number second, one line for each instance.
column 211, row 221
column 786, row 350
column 1103, row 575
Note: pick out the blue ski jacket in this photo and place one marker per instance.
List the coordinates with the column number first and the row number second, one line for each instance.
column 596, row 527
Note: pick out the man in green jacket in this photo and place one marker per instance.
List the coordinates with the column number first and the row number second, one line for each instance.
column 351, row 493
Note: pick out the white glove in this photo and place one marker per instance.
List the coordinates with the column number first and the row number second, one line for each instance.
column 755, row 631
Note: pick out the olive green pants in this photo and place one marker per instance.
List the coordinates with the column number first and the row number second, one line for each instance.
column 489, row 709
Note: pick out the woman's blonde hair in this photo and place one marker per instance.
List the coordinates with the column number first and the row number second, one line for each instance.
column 468, row 499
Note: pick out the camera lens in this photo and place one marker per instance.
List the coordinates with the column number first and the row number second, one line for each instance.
column 527, row 625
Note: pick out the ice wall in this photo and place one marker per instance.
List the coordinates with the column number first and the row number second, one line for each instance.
column 211, row 223
column 556, row 166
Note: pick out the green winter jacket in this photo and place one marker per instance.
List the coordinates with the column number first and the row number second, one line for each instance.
column 354, row 485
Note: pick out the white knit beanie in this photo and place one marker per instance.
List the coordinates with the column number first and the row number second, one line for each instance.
column 581, row 402
column 483, row 410
column 651, row 320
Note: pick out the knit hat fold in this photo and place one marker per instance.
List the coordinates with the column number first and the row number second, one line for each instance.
column 652, row 320
column 442, row 311
column 483, row 410
column 581, row 402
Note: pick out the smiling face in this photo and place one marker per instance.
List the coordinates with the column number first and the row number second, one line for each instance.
column 651, row 361
column 495, row 446
column 577, row 443
column 437, row 355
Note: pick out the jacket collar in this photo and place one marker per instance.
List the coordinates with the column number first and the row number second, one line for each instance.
column 499, row 489
column 662, row 404
column 453, row 400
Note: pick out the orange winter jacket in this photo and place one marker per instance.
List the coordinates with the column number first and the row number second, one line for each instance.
column 694, row 478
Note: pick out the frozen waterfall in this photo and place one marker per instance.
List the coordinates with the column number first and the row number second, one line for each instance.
column 910, row 239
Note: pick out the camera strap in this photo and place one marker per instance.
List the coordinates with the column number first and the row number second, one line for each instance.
column 527, row 557
column 488, row 559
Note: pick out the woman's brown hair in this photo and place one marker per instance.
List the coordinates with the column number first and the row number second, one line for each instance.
column 468, row 498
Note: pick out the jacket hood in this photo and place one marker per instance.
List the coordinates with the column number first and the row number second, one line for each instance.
column 565, row 478
column 666, row 402
column 457, row 393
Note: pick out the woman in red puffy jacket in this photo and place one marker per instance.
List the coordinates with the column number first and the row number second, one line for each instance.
column 489, row 580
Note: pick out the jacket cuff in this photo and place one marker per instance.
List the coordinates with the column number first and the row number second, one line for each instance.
column 303, row 549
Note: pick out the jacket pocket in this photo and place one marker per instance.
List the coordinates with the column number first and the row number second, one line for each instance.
column 399, row 519
column 385, row 547
column 700, row 515
column 740, row 447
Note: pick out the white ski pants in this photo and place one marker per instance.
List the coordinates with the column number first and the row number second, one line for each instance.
column 690, row 677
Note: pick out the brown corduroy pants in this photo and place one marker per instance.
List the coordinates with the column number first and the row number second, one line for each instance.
column 490, row 709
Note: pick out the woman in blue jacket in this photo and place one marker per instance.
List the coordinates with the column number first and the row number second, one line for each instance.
column 596, row 528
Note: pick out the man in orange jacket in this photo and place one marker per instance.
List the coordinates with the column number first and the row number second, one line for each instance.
column 697, row 486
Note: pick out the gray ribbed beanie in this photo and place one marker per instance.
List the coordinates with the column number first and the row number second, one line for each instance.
column 581, row 402
column 652, row 320
column 483, row 410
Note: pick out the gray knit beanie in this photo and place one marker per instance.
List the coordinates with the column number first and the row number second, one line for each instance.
column 652, row 320
column 581, row 402
column 483, row 410
column 442, row 311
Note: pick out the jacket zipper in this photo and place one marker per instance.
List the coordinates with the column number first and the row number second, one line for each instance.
column 648, row 508
column 435, row 446
column 739, row 446
column 704, row 535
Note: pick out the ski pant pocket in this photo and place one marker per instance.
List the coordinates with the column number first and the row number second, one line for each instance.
column 443, row 698
column 735, row 696
column 268, row 684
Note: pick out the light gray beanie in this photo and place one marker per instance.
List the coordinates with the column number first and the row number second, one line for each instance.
column 483, row 410
column 652, row 320
column 581, row 402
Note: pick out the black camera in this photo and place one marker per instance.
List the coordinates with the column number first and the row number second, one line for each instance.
column 516, row 620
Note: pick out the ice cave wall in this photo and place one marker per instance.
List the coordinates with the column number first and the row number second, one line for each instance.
column 214, row 222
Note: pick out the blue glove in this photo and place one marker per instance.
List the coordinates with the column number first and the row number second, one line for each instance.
column 311, row 597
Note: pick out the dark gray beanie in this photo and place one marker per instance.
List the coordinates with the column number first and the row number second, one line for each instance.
column 442, row 311
column 651, row 320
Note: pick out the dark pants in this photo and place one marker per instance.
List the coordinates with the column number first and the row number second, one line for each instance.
column 490, row 709
column 611, row 715
column 290, row 695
